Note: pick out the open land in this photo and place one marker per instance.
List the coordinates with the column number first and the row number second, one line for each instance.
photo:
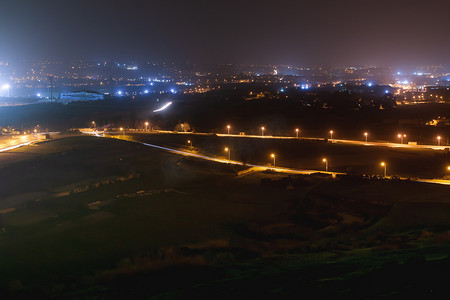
column 92, row 217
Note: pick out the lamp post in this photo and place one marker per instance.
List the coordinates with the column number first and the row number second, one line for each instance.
column 93, row 124
column 365, row 135
column 326, row 164
column 146, row 126
column 331, row 134
column 383, row 164
column 401, row 136
column 273, row 156
column 121, row 129
column 228, row 129
column 439, row 140
column 190, row 143
column 229, row 153
column 262, row 131
column 296, row 132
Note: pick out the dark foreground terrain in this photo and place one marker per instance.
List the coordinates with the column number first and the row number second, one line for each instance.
column 85, row 217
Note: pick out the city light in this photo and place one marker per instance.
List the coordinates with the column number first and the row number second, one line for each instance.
column 228, row 128
column 6, row 87
column 146, row 126
column 262, row 131
column 331, row 134
column 366, row 134
column 296, row 132
column 273, row 156
column 439, row 140
column 401, row 137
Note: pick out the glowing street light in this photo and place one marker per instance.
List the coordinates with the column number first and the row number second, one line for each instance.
column 296, row 131
column 229, row 153
column 448, row 168
column 93, row 124
column 6, row 87
column 331, row 134
column 383, row 164
column 439, row 140
column 146, row 126
column 228, row 129
column 401, row 137
column 273, row 156
column 366, row 134
column 326, row 164
column 262, row 131
column 190, row 143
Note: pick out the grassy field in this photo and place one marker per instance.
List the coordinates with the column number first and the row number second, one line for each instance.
column 84, row 217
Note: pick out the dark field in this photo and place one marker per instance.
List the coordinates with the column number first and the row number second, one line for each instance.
column 85, row 217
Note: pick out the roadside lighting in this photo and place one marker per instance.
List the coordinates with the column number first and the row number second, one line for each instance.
column 401, row 137
column 190, row 142
column 448, row 168
column 121, row 129
column 262, row 131
column 366, row 135
column 273, row 156
column 228, row 129
column 383, row 164
column 229, row 153
column 331, row 134
column 439, row 140
column 93, row 124
column 326, row 164
column 296, row 132
column 146, row 126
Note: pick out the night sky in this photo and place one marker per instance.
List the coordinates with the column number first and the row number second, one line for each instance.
column 376, row 32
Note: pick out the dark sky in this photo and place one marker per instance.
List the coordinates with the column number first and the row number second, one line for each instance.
column 375, row 32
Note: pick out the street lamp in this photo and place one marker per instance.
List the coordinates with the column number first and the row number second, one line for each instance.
column 262, row 131
column 296, row 131
column 365, row 135
column 146, row 126
column 121, row 129
column 190, row 142
column 228, row 128
column 229, row 153
column 93, row 124
column 383, row 164
column 401, row 136
column 273, row 156
column 331, row 134
column 439, row 140
column 6, row 87
column 326, row 164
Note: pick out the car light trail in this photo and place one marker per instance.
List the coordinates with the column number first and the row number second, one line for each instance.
column 164, row 107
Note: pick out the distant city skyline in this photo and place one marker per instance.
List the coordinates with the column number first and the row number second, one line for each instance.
column 349, row 32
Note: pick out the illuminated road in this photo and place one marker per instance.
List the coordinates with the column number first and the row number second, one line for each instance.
column 13, row 142
column 233, row 162
column 334, row 141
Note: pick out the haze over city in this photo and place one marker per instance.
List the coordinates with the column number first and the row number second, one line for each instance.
column 349, row 32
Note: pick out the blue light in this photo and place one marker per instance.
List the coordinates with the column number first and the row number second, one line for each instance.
column 146, row 92
column 282, row 90
column 173, row 91
column 386, row 92
column 119, row 93
column 369, row 84
column 39, row 95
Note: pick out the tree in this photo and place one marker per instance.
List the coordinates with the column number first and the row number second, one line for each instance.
column 183, row 127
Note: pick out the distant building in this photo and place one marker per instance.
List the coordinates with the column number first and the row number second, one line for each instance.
column 80, row 96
